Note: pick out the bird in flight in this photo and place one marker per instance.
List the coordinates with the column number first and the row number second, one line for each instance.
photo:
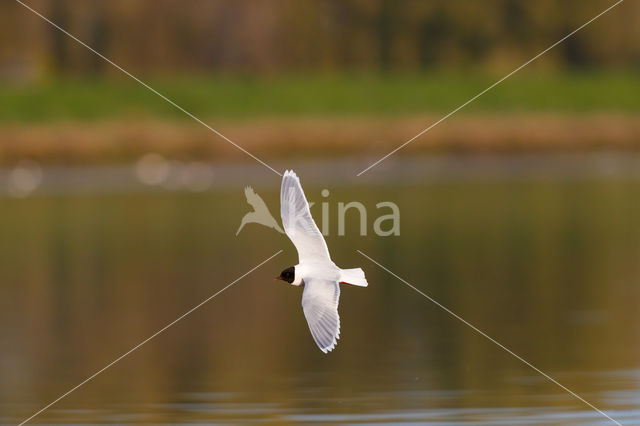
column 315, row 271
column 260, row 213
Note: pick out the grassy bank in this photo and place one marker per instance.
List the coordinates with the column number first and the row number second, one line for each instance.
column 302, row 95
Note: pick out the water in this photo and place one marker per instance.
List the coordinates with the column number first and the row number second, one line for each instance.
column 548, row 266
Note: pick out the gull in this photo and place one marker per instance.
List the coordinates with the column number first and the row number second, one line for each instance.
column 260, row 213
column 316, row 272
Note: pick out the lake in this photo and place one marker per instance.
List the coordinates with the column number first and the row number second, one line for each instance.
column 545, row 263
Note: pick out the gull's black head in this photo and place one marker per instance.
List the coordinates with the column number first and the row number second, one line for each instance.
column 287, row 275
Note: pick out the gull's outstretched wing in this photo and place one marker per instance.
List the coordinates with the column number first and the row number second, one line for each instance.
column 298, row 223
column 320, row 305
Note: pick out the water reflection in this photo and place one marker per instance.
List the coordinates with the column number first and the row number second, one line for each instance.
column 548, row 267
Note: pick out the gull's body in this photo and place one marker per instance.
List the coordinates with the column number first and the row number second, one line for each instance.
column 315, row 271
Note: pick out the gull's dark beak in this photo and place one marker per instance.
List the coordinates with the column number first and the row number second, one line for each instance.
column 277, row 279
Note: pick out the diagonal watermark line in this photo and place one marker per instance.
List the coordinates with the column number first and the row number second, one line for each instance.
column 490, row 87
column 148, row 87
column 149, row 338
column 500, row 345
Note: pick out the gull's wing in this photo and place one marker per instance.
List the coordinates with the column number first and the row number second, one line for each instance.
column 298, row 223
column 320, row 306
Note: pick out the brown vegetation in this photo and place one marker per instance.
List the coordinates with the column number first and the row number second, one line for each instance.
column 275, row 35
column 118, row 141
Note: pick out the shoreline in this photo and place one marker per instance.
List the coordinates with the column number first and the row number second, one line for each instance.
column 122, row 141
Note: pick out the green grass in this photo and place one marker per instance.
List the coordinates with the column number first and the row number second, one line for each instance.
column 294, row 95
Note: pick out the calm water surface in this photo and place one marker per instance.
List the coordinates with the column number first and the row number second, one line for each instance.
column 549, row 267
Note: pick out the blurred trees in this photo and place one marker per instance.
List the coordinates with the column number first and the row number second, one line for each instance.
column 166, row 36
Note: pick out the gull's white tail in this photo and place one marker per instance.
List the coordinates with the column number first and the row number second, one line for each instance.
column 353, row 276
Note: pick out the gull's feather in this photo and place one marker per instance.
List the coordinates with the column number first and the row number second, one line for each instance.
column 320, row 305
column 298, row 223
